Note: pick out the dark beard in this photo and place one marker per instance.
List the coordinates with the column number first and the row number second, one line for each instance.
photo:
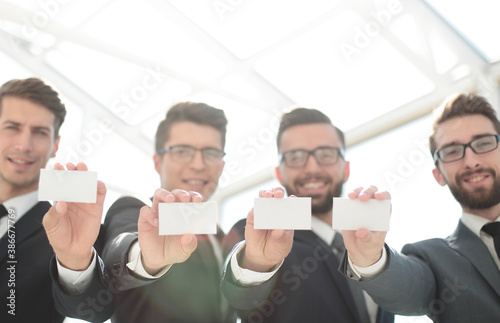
column 480, row 198
column 326, row 204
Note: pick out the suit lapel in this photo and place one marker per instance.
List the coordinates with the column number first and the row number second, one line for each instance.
column 30, row 223
column 332, row 264
column 465, row 242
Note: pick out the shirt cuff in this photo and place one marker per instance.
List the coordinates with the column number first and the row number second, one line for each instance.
column 76, row 282
column 372, row 270
column 247, row 277
column 135, row 263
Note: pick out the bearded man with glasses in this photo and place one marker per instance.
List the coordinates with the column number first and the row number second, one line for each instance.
column 298, row 283
column 456, row 279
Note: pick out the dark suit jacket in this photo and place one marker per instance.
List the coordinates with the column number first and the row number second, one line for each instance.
column 32, row 290
column 307, row 287
column 96, row 304
column 450, row 280
column 189, row 292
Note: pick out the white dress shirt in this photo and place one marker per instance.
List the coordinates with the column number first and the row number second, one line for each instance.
column 76, row 282
column 20, row 205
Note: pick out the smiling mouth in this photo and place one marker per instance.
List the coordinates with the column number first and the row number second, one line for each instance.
column 476, row 179
column 18, row 161
column 195, row 182
column 313, row 185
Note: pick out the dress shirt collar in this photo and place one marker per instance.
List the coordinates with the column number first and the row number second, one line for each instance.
column 475, row 222
column 323, row 230
column 22, row 203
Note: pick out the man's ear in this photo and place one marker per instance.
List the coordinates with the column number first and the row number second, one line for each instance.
column 277, row 172
column 438, row 176
column 221, row 169
column 56, row 147
column 157, row 161
column 347, row 171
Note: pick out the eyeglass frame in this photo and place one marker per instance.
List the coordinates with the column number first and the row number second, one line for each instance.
column 169, row 148
column 436, row 156
column 340, row 152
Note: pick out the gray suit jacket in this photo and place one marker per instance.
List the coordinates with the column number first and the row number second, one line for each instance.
column 450, row 280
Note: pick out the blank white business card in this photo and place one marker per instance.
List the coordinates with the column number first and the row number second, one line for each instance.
column 183, row 218
column 282, row 213
column 353, row 214
column 68, row 186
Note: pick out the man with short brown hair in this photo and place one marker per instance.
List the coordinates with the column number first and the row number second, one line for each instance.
column 31, row 114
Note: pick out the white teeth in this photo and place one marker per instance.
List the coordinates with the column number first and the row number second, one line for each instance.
column 195, row 182
column 314, row 185
column 19, row 161
column 476, row 179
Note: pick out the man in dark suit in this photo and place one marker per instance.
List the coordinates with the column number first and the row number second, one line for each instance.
column 306, row 286
column 31, row 114
column 140, row 282
column 456, row 279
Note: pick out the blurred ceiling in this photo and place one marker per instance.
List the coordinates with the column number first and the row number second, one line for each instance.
column 119, row 64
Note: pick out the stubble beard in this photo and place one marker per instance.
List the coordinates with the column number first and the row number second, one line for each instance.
column 480, row 198
column 324, row 204
column 19, row 185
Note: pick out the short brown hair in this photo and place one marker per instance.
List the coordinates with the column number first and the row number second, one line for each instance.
column 36, row 91
column 459, row 106
column 199, row 113
column 303, row 116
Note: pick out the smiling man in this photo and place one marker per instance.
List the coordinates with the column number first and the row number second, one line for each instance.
column 189, row 159
column 31, row 114
column 454, row 279
column 306, row 286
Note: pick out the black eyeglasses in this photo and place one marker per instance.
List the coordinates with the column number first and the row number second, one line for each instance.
column 481, row 145
column 324, row 156
column 184, row 154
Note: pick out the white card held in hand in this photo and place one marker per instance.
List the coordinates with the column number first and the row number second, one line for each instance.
column 183, row 218
column 282, row 213
column 68, row 186
column 350, row 214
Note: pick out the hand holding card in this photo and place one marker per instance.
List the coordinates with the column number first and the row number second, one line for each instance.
column 266, row 248
column 72, row 227
column 363, row 241
column 159, row 251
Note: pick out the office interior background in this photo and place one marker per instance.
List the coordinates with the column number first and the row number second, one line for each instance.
column 376, row 68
